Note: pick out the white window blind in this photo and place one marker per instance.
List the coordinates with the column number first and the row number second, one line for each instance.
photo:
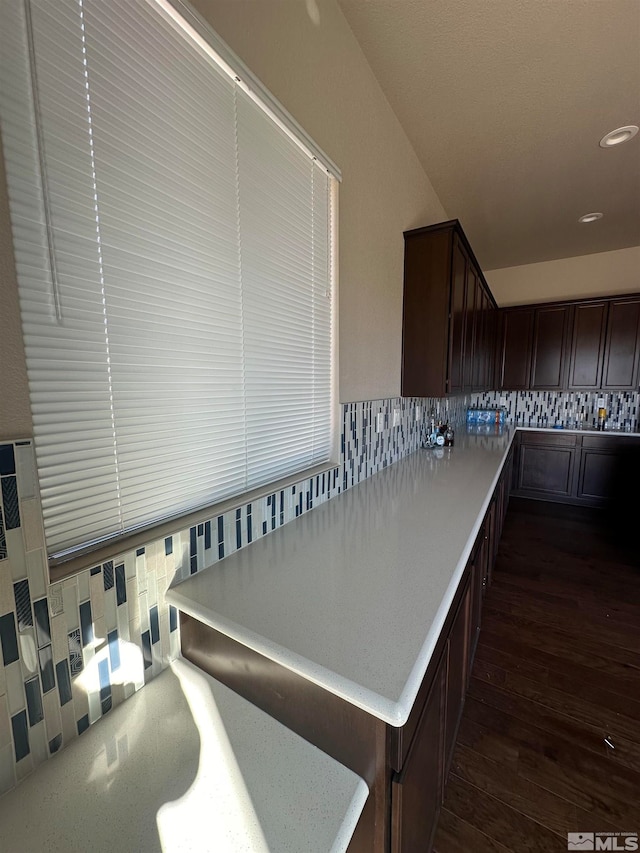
column 173, row 246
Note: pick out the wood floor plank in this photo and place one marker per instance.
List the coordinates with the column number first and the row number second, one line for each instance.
column 499, row 821
column 486, row 741
column 566, row 619
column 593, row 669
column 596, row 770
column 578, row 732
column 562, row 593
column 534, row 766
column 488, row 654
column 536, row 803
column 598, row 790
column 455, row 835
column 580, row 648
column 599, row 708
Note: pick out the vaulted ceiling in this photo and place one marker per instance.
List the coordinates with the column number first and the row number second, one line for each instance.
column 505, row 102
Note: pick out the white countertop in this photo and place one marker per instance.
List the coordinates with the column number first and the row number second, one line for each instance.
column 185, row 765
column 611, row 433
column 353, row 595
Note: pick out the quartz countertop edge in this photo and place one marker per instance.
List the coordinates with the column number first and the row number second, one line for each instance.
column 390, row 704
column 352, row 816
column 353, row 692
column 414, row 681
column 611, row 433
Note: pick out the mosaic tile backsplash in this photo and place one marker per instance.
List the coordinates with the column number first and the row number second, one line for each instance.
column 73, row 650
column 577, row 409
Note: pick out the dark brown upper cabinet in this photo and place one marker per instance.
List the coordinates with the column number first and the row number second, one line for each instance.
column 484, row 343
column 471, row 328
column 446, row 301
column 589, row 345
column 516, row 328
column 458, row 317
column 621, row 364
column 587, row 349
column 551, row 332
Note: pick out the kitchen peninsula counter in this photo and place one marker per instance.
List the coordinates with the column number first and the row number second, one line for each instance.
column 353, row 595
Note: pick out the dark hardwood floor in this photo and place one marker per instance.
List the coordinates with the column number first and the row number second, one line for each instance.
column 557, row 671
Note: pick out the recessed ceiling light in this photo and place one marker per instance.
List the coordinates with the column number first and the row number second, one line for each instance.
column 590, row 217
column 618, row 136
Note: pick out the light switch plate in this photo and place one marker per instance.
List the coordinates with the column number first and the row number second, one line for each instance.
column 379, row 422
column 396, row 417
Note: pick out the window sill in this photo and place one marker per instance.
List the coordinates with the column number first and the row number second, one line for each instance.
column 119, row 545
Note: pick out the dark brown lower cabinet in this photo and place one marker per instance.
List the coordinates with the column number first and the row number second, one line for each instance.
column 598, row 469
column 417, row 791
column 458, row 662
column 481, row 565
column 405, row 768
column 546, row 465
column 596, row 479
column 479, row 579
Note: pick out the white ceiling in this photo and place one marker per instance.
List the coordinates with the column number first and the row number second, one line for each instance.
column 505, row 102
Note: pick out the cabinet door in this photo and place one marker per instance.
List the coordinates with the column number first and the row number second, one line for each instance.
column 502, row 493
column 425, row 313
column 482, row 380
column 471, row 323
column 546, row 466
column 416, row 792
column 479, row 574
column 457, row 673
column 478, row 378
column 549, row 351
column 515, row 358
column 597, row 475
column 609, row 470
column 587, row 348
column 457, row 319
column 622, row 348
column 491, row 344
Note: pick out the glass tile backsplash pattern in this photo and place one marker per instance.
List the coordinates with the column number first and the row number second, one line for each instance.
column 567, row 408
column 73, row 650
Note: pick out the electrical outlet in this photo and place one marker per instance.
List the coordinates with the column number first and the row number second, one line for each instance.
column 396, row 417
column 379, row 422
column 418, row 414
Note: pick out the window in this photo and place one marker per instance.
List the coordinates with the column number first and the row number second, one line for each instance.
column 172, row 230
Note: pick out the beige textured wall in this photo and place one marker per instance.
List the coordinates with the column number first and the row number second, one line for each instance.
column 15, row 411
column 306, row 54
column 568, row 278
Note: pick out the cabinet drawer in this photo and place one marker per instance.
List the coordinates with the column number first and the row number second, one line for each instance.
column 551, row 439
column 609, row 442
